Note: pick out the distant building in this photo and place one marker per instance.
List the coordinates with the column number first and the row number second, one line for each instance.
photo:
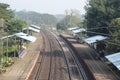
column 53, row 28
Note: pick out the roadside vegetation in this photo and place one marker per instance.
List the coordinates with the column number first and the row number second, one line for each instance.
column 8, row 26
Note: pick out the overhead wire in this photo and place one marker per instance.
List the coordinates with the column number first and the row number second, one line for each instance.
column 105, row 35
column 112, row 43
column 108, row 35
column 100, row 28
column 98, row 33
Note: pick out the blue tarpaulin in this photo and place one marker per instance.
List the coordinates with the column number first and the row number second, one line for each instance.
column 94, row 39
column 114, row 59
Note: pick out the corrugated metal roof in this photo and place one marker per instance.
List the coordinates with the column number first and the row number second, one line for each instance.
column 21, row 35
column 78, row 30
column 6, row 37
column 35, row 26
column 114, row 59
column 33, row 29
column 73, row 28
column 25, row 36
column 94, row 39
column 9, row 36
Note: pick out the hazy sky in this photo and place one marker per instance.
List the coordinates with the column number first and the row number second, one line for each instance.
column 46, row 6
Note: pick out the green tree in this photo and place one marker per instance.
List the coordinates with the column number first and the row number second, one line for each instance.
column 61, row 25
column 115, row 25
column 71, row 19
column 105, row 13
column 100, row 13
column 114, row 31
column 36, row 18
column 5, row 15
column 15, row 25
column 5, row 11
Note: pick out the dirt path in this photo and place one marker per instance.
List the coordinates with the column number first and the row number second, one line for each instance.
column 22, row 66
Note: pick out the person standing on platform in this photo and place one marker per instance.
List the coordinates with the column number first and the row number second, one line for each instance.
column 100, row 46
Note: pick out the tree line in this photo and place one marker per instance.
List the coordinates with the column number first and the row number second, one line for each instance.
column 36, row 18
column 104, row 17
column 72, row 18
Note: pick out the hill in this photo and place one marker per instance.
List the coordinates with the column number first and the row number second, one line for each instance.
column 36, row 18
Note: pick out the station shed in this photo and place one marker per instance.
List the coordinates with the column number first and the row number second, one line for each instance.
column 22, row 48
column 114, row 59
column 78, row 34
column 25, row 36
column 32, row 29
column 73, row 28
column 79, row 30
column 29, row 30
column 95, row 39
column 20, row 35
column 34, row 26
column 96, row 42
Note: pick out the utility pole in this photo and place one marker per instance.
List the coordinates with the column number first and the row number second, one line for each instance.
column 1, row 26
column 1, row 45
column 1, row 53
column 7, row 48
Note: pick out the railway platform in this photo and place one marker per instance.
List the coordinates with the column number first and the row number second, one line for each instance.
column 99, row 68
column 20, row 70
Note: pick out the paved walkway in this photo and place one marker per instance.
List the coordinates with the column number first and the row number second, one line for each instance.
column 22, row 66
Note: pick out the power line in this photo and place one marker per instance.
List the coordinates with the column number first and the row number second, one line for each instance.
column 109, row 35
column 112, row 43
column 98, row 33
column 103, row 34
column 97, row 28
column 106, row 40
column 101, row 28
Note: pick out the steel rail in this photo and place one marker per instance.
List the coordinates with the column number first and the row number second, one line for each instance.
column 67, row 61
column 83, row 64
column 37, row 74
column 80, row 70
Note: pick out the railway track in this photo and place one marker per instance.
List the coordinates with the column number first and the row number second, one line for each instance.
column 76, row 70
column 42, row 68
column 84, row 70
column 103, row 69
column 57, row 61
column 99, row 69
